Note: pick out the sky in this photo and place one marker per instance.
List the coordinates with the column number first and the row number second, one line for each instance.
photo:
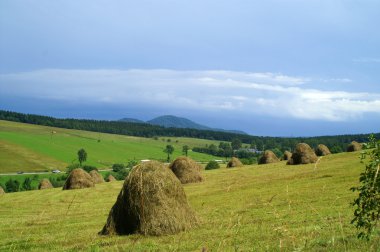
column 269, row 68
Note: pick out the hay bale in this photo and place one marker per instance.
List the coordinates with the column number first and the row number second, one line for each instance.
column 110, row 178
column 78, row 179
column 354, row 146
column 322, row 150
column 303, row 154
column 45, row 184
column 151, row 202
column 96, row 177
column 186, row 170
column 268, row 157
column 234, row 162
column 287, row 155
column 2, row 190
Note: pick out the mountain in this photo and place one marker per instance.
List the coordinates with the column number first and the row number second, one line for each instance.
column 132, row 120
column 169, row 121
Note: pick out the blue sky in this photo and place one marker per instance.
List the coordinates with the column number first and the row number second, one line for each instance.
column 276, row 67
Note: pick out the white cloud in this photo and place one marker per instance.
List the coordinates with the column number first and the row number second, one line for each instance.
column 213, row 91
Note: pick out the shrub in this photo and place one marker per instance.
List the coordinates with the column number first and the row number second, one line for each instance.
column 118, row 167
column 12, row 186
column 249, row 161
column 89, row 168
column 71, row 167
column 212, row 165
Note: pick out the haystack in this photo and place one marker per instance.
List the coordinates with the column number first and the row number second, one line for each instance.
column 354, row 146
column 110, row 178
column 78, row 179
column 96, row 177
column 303, row 154
column 287, row 155
column 151, row 202
column 268, row 158
column 45, row 184
column 186, row 170
column 2, row 190
column 322, row 150
column 234, row 162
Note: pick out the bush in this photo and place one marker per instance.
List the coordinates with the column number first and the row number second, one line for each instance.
column 12, row 186
column 118, row 167
column 212, row 165
column 249, row 161
column 89, row 168
column 71, row 167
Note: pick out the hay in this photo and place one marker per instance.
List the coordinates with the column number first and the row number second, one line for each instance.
column 96, row 177
column 287, row 155
column 78, row 179
column 303, row 154
column 45, row 184
column 151, row 202
column 268, row 158
column 2, row 190
column 354, row 146
column 322, row 150
column 110, row 178
column 234, row 162
column 186, row 170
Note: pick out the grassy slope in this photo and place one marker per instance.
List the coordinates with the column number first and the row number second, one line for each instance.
column 26, row 147
column 255, row 208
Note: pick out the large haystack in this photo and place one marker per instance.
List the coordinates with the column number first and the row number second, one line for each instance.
column 78, row 179
column 2, row 190
column 45, row 184
column 186, row 170
column 287, row 155
column 151, row 202
column 354, row 146
column 268, row 157
column 303, row 154
column 322, row 150
column 110, row 178
column 96, row 177
column 234, row 162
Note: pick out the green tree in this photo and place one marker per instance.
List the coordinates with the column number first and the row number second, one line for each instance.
column 82, row 156
column 185, row 149
column 12, row 185
column 212, row 165
column 27, row 184
column 118, row 167
column 367, row 212
column 236, row 143
column 169, row 149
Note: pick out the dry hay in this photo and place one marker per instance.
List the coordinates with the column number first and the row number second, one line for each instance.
column 354, row 146
column 45, row 184
column 268, row 158
column 287, row 155
column 151, row 202
column 322, row 150
column 234, row 162
column 96, row 177
column 186, row 170
column 2, row 190
column 111, row 178
column 303, row 154
column 78, row 179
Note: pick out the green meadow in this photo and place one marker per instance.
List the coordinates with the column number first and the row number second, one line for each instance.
column 27, row 147
column 274, row 207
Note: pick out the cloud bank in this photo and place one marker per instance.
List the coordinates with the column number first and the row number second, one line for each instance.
column 246, row 93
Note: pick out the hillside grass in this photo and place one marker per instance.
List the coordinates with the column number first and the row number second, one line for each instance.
column 27, row 147
column 271, row 207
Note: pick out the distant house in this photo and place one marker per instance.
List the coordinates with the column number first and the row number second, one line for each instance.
column 144, row 160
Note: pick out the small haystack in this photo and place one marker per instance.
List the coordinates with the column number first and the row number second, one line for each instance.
column 45, row 184
column 151, row 202
column 186, row 170
column 96, row 177
column 322, row 150
column 234, row 162
column 110, row 178
column 268, row 158
column 2, row 190
column 287, row 155
column 303, row 155
column 354, row 146
column 78, row 179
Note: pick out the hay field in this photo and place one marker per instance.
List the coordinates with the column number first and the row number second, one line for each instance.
column 27, row 147
column 271, row 207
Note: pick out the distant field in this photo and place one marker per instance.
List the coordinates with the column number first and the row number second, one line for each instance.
column 255, row 208
column 27, row 147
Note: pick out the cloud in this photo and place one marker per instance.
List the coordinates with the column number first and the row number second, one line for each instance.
column 246, row 93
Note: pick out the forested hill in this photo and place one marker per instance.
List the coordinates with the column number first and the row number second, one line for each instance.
column 338, row 143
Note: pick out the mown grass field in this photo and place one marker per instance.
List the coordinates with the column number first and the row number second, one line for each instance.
column 254, row 208
column 27, row 147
